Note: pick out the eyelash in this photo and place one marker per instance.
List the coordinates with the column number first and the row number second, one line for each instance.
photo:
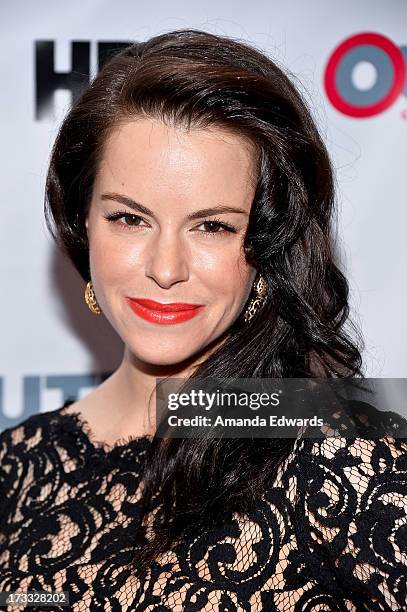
column 115, row 216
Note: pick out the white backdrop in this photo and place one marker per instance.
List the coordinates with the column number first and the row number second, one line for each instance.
column 52, row 347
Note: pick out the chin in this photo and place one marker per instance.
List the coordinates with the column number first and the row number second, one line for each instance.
column 165, row 357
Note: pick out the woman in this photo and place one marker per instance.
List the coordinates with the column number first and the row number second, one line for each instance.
column 191, row 189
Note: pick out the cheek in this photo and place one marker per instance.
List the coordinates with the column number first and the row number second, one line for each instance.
column 230, row 276
column 109, row 258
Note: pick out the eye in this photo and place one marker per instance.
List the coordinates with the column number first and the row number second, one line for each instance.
column 130, row 220
column 217, row 227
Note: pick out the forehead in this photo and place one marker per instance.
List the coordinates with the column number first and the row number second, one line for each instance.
column 146, row 150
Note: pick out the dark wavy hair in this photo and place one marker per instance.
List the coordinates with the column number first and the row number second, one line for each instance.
column 194, row 78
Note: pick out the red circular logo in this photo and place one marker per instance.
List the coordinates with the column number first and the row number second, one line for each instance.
column 394, row 54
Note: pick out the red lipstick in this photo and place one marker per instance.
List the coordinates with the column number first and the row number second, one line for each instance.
column 164, row 314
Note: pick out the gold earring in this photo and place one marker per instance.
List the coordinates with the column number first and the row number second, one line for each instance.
column 260, row 286
column 90, row 299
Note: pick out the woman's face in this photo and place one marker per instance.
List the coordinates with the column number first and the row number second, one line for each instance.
column 169, row 251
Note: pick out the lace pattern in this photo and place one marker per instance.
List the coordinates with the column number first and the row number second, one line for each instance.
column 330, row 534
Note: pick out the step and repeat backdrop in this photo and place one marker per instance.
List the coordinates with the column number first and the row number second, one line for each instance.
column 349, row 61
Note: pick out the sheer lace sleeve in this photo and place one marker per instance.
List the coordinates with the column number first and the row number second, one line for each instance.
column 352, row 517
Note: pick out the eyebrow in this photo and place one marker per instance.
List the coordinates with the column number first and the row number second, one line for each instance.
column 198, row 214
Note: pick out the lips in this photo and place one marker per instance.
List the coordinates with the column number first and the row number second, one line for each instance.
column 164, row 314
column 173, row 307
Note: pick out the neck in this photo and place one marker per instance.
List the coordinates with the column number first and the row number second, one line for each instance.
column 125, row 403
column 131, row 388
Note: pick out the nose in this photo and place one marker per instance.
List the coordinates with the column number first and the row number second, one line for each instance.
column 167, row 260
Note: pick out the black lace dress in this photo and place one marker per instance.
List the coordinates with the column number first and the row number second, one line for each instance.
column 330, row 534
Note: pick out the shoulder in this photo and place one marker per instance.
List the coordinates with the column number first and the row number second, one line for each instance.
column 340, row 478
column 24, row 434
column 351, row 512
column 361, row 447
column 22, row 443
column 358, row 446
